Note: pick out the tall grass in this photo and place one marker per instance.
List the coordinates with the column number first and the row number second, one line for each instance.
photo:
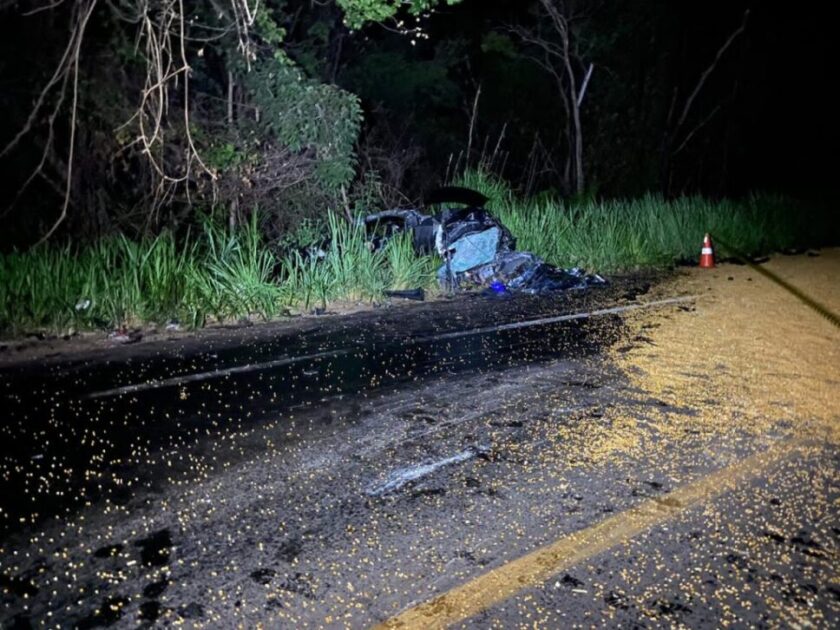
column 651, row 231
column 217, row 274
column 352, row 270
column 230, row 276
column 214, row 274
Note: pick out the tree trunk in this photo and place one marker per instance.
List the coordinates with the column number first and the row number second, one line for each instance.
column 577, row 144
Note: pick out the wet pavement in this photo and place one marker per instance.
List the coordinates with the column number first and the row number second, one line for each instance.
column 106, row 424
column 340, row 472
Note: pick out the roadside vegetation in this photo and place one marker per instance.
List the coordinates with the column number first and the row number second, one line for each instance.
column 293, row 108
column 650, row 231
column 211, row 275
column 215, row 274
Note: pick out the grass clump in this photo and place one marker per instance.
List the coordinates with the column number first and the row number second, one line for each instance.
column 651, row 231
column 212, row 274
column 350, row 268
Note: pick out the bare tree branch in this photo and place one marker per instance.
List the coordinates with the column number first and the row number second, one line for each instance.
column 585, row 84
column 80, row 29
column 61, row 71
column 697, row 128
column 708, row 71
column 46, row 7
column 472, row 121
column 48, row 145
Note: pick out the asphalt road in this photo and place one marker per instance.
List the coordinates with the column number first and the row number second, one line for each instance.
column 422, row 467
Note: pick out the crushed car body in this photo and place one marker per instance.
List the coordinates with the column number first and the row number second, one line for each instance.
column 477, row 249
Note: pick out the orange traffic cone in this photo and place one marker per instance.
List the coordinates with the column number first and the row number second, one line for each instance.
column 707, row 254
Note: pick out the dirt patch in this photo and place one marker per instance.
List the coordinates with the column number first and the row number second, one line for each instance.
column 50, row 347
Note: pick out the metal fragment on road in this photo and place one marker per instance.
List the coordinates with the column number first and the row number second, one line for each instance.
column 402, row 476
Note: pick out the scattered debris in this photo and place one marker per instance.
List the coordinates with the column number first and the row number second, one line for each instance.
column 302, row 584
column 153, row 590
column 526, row 273
column 402, row 476
column 477, row 249
column 108, row 551
column 125, row 336
column 569, row 581
column 155, row 548
column 109, row 613
column 193, row 610
column 150, row 611
column 263, row 576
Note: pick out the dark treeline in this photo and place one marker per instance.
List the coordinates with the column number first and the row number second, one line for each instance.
column 130, row 116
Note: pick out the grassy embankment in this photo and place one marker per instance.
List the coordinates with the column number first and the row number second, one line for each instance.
column 213, row 275
column 216, row 275
column 650, row 231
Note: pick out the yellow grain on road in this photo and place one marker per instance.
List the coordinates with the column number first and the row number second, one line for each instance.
column 536, row 567
column 751, row 360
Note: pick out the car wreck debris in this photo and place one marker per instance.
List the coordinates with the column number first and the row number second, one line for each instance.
column 477, row 249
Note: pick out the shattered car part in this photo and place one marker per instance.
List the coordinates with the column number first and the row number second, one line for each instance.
column 460, row 222
column 527, row 273
column 476, row 247
column 471, row 250
column 431, row 232
column 382, row 226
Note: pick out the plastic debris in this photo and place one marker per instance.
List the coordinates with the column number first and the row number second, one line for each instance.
column 403, row 476
column 526, row 273
column 125, row 336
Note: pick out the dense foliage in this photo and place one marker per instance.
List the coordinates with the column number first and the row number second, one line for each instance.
column 174, row 107
column 131, row 117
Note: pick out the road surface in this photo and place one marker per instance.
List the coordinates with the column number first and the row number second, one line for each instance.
column 478, row 463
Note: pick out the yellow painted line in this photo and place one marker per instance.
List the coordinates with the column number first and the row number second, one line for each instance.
column 533, row 569
column 800, row 295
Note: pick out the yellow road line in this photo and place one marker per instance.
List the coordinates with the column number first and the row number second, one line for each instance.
column 536, row 567
column 823, row 310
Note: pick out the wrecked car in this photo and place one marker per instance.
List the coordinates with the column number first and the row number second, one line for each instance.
column 477, row 249
column 433, row 233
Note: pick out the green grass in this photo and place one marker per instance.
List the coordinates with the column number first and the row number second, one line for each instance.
column 211, row 275
column 352, row 271
column 616, row 235
column 214, row 274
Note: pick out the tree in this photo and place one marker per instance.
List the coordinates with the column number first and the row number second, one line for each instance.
column 558, row 52
column 222, row 114
column 677, row 135
column 358, row 12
